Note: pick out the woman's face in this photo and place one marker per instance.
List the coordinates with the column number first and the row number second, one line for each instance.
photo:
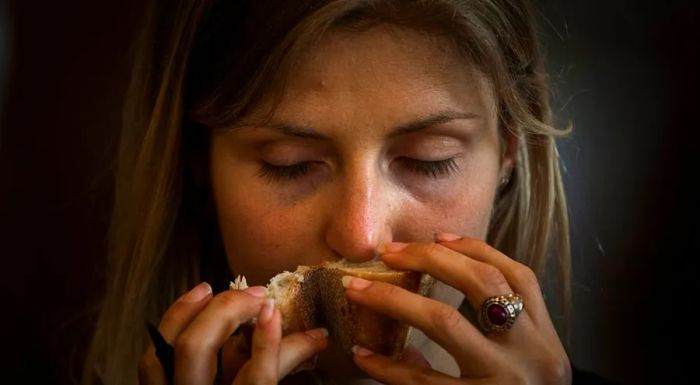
column 385, row 135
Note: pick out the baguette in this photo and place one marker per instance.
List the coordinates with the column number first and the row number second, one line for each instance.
column 313, row 296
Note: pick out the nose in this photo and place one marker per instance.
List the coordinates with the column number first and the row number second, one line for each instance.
column 360, row 216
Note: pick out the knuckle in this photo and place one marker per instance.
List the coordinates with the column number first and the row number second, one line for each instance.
column 513, row 376
column 431, row 249
column 483, row 247
column 390, row 291
column 525, row 276
column 186, row 344
column 229, row 298
column 555, row 369
column 173, row 317
column 491, row 276
column 430, row 252
column 445, row 317
column 238, row 307
column 264, row 340
column 252, row 374
column 472, row 242
column 420, row 376
column 236, row 299
column 477, row 246
column 262, row 344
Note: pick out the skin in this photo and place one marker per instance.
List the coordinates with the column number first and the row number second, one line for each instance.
column 346, row 168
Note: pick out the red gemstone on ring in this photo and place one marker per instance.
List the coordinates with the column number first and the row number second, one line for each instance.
column 497, row 314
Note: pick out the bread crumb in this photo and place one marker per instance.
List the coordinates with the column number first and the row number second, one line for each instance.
column 239, row 283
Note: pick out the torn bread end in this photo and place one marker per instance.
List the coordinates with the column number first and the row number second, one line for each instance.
column 239, row 283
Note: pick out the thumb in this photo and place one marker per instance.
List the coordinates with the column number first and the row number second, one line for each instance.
column 234, row 354
column 414, row 357
column 263, row 366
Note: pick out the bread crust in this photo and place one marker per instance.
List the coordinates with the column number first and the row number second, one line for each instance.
column 314, row 296
column 350, row 324
column 298, row 304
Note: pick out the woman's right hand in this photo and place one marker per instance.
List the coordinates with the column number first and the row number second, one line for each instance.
column 198, row 325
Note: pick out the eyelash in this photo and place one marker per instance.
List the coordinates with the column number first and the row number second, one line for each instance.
column 435, row 169
column 283, row 173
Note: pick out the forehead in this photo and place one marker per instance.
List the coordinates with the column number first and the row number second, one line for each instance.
column 385, row 69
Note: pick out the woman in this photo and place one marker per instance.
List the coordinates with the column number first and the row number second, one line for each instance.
column 260, row 136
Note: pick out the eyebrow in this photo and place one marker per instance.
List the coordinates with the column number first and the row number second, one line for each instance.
column 432, row 120
column 411, row 127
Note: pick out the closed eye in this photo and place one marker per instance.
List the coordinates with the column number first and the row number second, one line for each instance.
column 275, row 173
column 431, row 168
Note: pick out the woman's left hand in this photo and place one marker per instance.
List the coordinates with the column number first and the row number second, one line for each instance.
column 528, row 353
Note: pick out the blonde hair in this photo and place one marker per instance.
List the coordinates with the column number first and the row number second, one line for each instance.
column 200, row 65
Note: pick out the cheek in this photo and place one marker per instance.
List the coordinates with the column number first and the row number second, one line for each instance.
column 459, row 209
column 261, row 240
column 462, row 205
column 259, row 237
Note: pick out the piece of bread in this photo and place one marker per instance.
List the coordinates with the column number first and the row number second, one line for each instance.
column 313, row 296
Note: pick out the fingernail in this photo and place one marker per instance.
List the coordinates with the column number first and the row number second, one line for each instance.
column 266, row 311
column 197, row 294
column 362, row 352
column 391, row 247
column 354, row 283
column 446, row 237
column 317, row 334
column 256, row 291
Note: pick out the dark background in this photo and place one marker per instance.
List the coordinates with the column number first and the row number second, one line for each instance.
column 625, row 74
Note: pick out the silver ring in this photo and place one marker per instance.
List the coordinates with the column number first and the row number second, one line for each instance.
column 498, row 313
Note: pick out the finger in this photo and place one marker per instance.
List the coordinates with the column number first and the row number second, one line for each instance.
column 176, row 318
column 477, row 280
column 236, row 351
column 520, row 277
column 297, row 352
column 440, row 322
column 234, row 354
column 299, row 348
column 183, row 311
column 265, row 346
column 150, row 371
column 392, row 372
column 197, row 346
column 413, row 357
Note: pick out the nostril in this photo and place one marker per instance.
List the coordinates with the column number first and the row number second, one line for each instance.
column 336, row 255
column 355, row 256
